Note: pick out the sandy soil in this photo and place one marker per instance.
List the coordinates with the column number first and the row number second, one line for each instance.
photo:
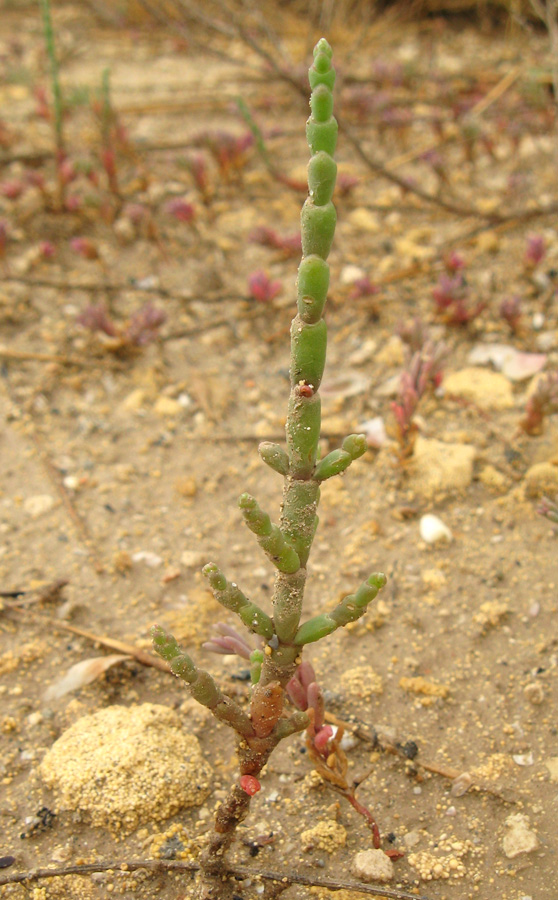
column 121, row 472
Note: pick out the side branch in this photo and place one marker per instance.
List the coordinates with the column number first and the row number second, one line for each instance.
column 202, row 685
column 270, row 537
column 351, row 608
column 337, row 461
column 229, row 595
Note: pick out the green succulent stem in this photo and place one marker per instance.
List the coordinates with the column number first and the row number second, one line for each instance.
column 58, row 102
column 308, row 354
column 338, row 460
column 229, row 595
column 351, row 608
column 270, row 537
column 202, row 685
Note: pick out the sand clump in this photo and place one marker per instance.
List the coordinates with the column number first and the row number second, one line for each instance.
column 125, row 766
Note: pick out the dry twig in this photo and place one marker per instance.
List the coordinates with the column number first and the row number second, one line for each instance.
column 159, row 866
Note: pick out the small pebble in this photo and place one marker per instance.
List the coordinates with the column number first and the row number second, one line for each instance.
column 534, row 693
column 433, row 530
column 461, row 784
column 38, row 505
column 373, row 865
column 519, row 837
column 150, row 559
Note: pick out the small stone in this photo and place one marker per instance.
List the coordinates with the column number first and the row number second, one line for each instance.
column 133, row 401
column 524, row 759
column 71, row 482
column 373, row 865
column 534, row 693
column 420, row 685
column 493, row 479
column 392, row 353
column 433, row 530
column 186, row 487
column 167, row 406
column 412, row 251
column 364, row 220
column 519, row 837
column 541, row 479
column 350, row 274
column 552, row 766
column 38, row 505
column 327, row 836
column 34, row 718
column 488, row 242
column 124, row 230
column 193, row 558
column 437, row 467
column 461, row 784
column 122, row 561
column 150, row 559
column 411, row 839
column 485, row 389
column 362, row 682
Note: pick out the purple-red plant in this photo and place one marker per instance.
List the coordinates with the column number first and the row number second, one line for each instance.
column 363, row 287
column 423, row 371
column 323, row 743
column 95, row 317
column 262, row 288
column 453, row 302
column 510, row 311
column 306, row 695
column 542, row 402
column 12, row 189
column 197, row 166
column 181, row 210
column 228, row 150
column 535, row 251
column 3, row 238
column 454, row 262
column 141, row 329
column 549, row 509
column 346, row 184
column 84, row 247
column 268, row 237
column 47, row 250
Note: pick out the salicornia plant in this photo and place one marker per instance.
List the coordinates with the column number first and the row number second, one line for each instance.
column 272, row 714
column 57, row 99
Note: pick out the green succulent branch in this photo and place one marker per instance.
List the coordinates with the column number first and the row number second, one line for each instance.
column 202, row 685
column 351, row 608
column 287, row 544
column 231, row 597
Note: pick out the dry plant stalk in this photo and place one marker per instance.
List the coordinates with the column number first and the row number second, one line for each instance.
column 276, row 669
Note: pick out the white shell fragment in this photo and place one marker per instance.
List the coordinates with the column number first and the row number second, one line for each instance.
column 375, row 432
column 433, row 530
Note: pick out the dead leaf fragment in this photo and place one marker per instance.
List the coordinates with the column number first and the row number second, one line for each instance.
column 82, row 673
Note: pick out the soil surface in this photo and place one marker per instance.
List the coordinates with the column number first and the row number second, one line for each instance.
column 122, row 463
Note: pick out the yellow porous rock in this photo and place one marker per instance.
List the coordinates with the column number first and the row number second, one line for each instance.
column 126, row 766
column 420, row 685
column 327, row 836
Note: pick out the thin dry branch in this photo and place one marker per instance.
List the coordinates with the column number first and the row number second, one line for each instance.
column 160, row 866
column 141, row 656
column 378, row 168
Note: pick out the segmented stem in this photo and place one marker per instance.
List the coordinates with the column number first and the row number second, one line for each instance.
column 308, row 353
